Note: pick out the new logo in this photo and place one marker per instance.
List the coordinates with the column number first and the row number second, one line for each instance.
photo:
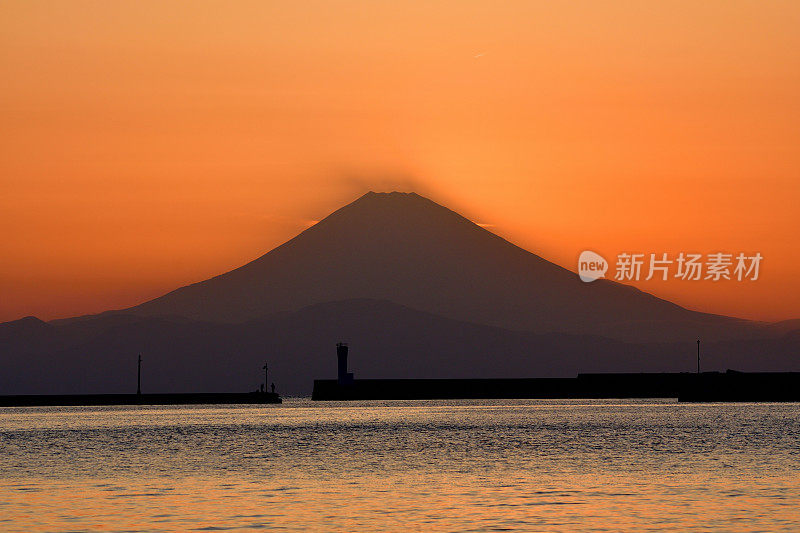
column 591, row 266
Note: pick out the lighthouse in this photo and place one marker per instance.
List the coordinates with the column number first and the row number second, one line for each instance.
column 343, row 376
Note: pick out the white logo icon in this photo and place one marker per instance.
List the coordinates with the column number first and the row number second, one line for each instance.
column 591, row 266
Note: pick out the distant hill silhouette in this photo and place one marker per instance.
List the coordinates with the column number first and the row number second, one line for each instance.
column 387, row 340
column 418, row 291
column 406, row 249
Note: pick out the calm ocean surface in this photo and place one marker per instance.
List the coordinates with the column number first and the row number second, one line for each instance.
column 397, row 466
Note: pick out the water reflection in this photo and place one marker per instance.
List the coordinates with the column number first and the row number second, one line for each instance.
column 447, row 465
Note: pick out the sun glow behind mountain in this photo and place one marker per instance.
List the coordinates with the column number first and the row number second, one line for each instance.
column 146, row 145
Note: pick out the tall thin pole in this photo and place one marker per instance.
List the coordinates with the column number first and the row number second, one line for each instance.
column 266, row 377
column 698, row 356
column 139, row 377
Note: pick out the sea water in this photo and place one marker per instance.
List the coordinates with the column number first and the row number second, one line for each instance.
column 495, row 465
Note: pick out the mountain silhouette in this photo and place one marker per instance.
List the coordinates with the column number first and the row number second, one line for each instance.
column 406, row 249
column 416, row 289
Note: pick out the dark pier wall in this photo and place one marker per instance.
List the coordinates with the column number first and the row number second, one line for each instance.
column 583, row 386
column 743, row 387
column 425, row 389
column 686, row 387
column 139, row 399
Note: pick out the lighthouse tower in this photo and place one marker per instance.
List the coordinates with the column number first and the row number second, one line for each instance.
column 344, row 377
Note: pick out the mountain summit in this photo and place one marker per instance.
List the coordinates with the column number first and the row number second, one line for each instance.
column 409, row 250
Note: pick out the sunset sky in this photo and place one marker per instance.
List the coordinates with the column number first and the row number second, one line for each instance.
column 147, row 145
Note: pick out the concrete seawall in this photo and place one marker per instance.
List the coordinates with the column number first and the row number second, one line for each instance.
column 686, row 387
column 140, row 399
column 582, row 386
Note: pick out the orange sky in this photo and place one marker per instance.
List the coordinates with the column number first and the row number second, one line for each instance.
column 146, row 145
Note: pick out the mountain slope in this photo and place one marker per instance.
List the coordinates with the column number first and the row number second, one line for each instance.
column 407, row 249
